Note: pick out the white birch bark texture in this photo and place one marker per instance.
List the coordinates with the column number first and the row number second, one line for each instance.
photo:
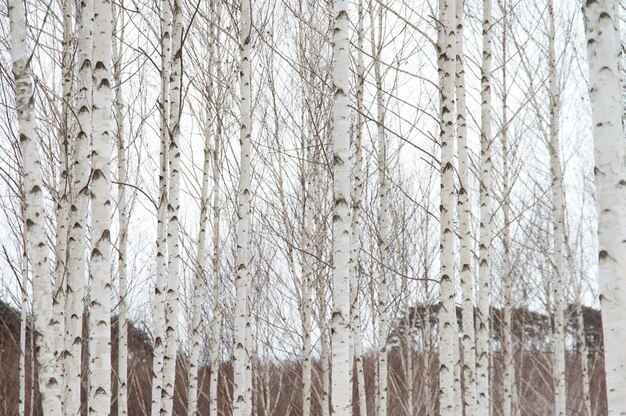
column 376, row 17
column 447, row 312
column 483, row 316
column 355, row 311
column 216, row 326
column 75, row 285
column 508, row 355
column 99, row 397
column 23, row 321
column 123, row 215
column 34, row 218
column 63, row 196
column 558, row 222
column 161, row 243
column 173, row 207
column 199, row 275
column 465, row 219
column 601, row 19
column 308, row 231
column 341, row 397
column 241, row 397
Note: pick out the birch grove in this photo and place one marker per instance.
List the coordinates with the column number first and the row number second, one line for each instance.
column 357, row 207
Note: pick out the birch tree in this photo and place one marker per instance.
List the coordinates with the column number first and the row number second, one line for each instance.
column 161, row 243
column 604, row 53
column 483, row 316
column 447, row 309
column 465, row 218
column 558, row 220
column 355, row 314
column 123, row 214
column 341, row 397
column 383, row 210
column 241, row 365
column 99, row 397
column 75, row 285
column 49, row 384
column 173, row 208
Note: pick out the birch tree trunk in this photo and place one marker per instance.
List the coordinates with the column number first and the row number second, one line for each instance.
column 200, row 278
column 122, row 207
column 483, row 316
column 508, row 355
column 161, row 249
column 99, row 397
column 465, row 219
column 307, row 275
column 241, row 366
column 447, row 312
column 355, row 311
column 341, row 396
column 604, row 54
column 173, row 206
column 558, row 223
column 23, row 321
column 214, row 346
column 75, row 285
column 383, row 213
column 34, row 217
column 63, row 196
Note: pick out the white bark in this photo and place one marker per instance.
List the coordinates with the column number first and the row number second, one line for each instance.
column 241, row 366
column 604, row 55
column 465, row 218
column 341, row 397
column 355, row 311
column 63, row 195
column 34, row 217
column 199, row 285
column 173, row 206
column 214, row 346
column 558, row 221
column 23, row 322
column 447, row 312
column 383, row 214
column 123, row 214
column 161, row 243
column 508, row 385
column 483, row 316
column 99, row 397
column 75, row 287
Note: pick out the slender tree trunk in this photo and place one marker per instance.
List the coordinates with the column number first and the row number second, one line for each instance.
column 465, row 219
column 383, row 218
column 508, row 377
column 122, row 207
column 99, row 397
column 558, row 220
column 355, row 310
column 75, row 285
column 325, row 361
column 242, row 398
column 215, row 341
column 34, row 217
column 199, row 280
column 341, row 396
column 161, row 255
column 447, row 312
column 63, row 196
column 23, row 321
column 307, row 275
column 483, row 316
column 173, row 206
column 604, row 56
